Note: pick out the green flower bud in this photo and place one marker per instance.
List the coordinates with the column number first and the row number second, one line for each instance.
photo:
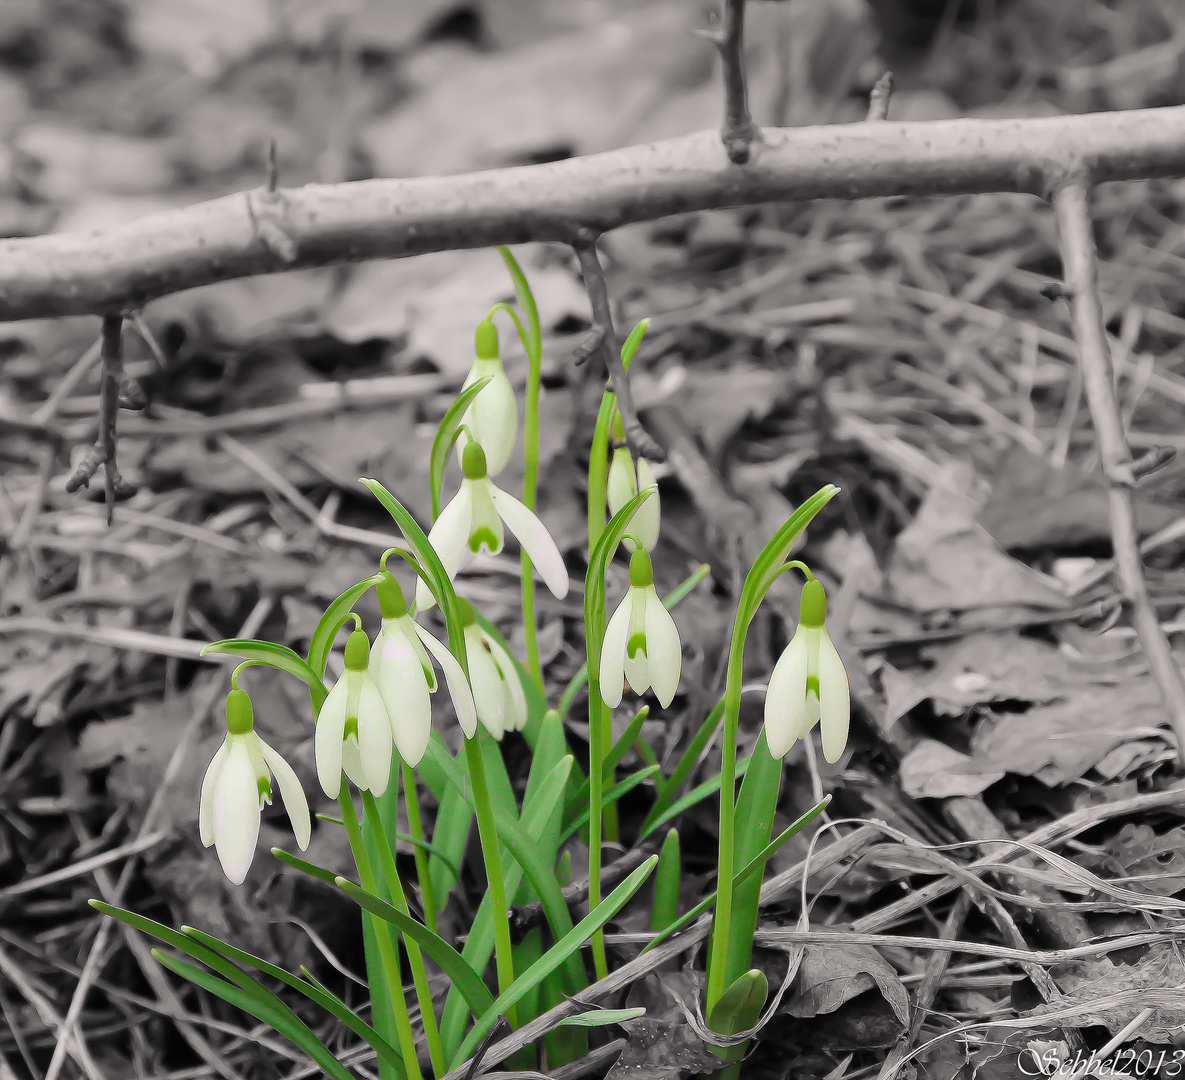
column 813, row 609
column 485, row 340
column 357, row 651
column 240, row 715
column 465, row 610
column 473, row 461
column 391, row 601
column 641, row 572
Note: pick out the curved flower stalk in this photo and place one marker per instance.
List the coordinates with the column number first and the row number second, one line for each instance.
column 492, row 420
column 624, row 483
column 474, row 520
column 641, row 644
column 353, row 730
column 809, row 685
column 236, row 786
column 493, row 674
column 402, row 671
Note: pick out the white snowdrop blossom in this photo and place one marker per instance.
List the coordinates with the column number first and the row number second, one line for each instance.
column 237, row 785
column 353, row 730
column 402, row 671
column 641, row 644
column 809, row 685
column 623, row 484
column 474, row 520
column 493, row 674
column 492, row 417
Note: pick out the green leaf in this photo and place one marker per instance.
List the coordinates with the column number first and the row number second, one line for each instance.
column 272, row 655
column 600, row 1017
column 668, row 791
column 533, row 343
column 446, row 435
column 753, row 866
column 632, row 342
column 567, row 946
column 301, row 1036
column 460, row 974
column 579, row 797
column 333, row 620
column 695, row 795
column 311, row 869
column 312, row 990
column 737, row 1010
column 667, row 883
column 610, row 796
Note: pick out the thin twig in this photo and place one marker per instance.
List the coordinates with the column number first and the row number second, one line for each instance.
column 878, row 100
column 640, row 440
column 1071, row 204
column 87, row 273
column 739, row 131
column 103, row 452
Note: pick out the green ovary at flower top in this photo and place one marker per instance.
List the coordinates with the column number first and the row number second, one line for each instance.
column 402, row 671
column 353, row 729
column 473, row 521
column 492, row 419
column 809, row 685
column 236, row 786
column 623, row 484
column 497, row 690
column 641, row 643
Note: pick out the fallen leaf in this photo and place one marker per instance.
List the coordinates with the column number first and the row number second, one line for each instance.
column 662, row 1045
column 74, row 162
column 1137, row 858
column 933, row 770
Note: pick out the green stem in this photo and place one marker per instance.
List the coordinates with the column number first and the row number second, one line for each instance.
column 596, row 785
column 488, row 834
column 388, row 956
column 415, row 823
column 598, row 468
column 415, row 957
column 530, row 491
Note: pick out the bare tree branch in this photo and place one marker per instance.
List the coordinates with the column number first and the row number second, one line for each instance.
column 103, row 452
column 124, row 267
column 598, row 297
column 1071, row 204
column 739, row 131
column 878, row 100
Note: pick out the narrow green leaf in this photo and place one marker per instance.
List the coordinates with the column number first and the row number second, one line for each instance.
column 695, row 795
column 297, row 1033
column 311, row 989
column 601, row 1017
column 526, row 300
column 305, row 867
column 567, row 946
column 667, row 883
column 579, row 797
column 633, row 341
column 610, row 796
column 446, row 435
column 333, row 620
column 460, row 974
column 668, row 791
column 273, row 655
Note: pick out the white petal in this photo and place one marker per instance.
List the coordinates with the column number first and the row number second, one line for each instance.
column 835, row 704
column 458, row 685
column 785, row 698
column 637, row 666
column 489, row 692
column 291, row 792
column 645, row 522
column 236, row 812
column 449, row 538
column 664, row 653
column 515, row 694
column 406, row 626
column 493, row 416
column 398, row 674
column 536, row 541
column 327, row 739
column 613, row 653
column 206, row 802
column 374, row 738
column 485, row 519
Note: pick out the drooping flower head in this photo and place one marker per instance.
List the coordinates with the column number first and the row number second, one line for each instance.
column 402, row 671
column 472, row 522
column 623, row 484
column 492, row 417
column 641, row 644
column 809, row 685
column 237, row 785
column 497, row 688
column 353, row 730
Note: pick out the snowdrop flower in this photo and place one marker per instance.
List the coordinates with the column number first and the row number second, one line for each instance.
column 492, row 417
column 641, row 643
column 623, row 484
column 353, row 729
column 474, row 520
column 403, row 673
column 809, row 685
column 237, row 785
column 493, row 674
